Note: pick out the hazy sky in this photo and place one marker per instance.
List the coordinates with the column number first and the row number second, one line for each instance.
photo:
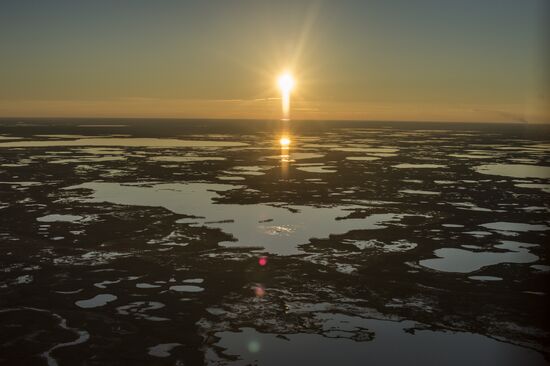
column 449, row 60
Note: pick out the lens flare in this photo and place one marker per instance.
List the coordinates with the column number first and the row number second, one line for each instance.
column 259, row 290
column 286, row 84
column 254, row 346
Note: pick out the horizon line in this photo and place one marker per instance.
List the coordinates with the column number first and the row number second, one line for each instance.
column 516, row 122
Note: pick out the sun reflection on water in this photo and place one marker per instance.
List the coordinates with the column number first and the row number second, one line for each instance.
column 284, row 143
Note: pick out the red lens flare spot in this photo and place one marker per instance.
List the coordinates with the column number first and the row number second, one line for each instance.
column 262, row 261
column 259, row 291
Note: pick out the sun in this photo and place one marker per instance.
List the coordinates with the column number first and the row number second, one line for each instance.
column 286, row 82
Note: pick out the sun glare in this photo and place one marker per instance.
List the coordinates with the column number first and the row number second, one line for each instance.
column 285, row 142
column 286, row 84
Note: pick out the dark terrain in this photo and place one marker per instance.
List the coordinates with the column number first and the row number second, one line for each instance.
column 100, row 222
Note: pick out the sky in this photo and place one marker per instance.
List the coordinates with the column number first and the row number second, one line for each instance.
column 427, row 60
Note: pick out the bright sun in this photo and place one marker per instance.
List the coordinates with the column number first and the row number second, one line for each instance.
column 286, row 82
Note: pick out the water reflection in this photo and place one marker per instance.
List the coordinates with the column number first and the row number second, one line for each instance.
column 284, row 143
column 278, row 229
column 466, row 261
column 380, row 338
